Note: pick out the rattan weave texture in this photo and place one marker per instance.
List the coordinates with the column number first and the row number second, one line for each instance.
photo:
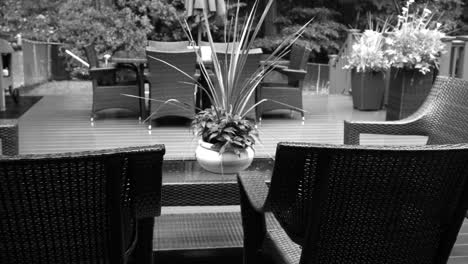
column 168, row 83
column 443, row 117
column 108, row 90
column 290, row 93
column 9, row 137
column 75, row 207
column 360, row 204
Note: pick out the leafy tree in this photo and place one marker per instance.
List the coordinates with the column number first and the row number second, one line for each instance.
column 324, row 35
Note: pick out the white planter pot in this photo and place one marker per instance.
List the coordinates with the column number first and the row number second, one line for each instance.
column 225, row 163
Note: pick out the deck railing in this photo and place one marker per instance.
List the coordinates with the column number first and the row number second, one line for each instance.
column 340, row 79
column 454, row 62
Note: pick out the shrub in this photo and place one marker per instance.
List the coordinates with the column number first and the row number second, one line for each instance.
column 323, row 35
column 109, row 29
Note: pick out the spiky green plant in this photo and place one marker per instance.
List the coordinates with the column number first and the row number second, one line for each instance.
column 227, row 93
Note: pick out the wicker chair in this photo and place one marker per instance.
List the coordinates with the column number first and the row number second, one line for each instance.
column 9, row 137
column 355, row 204
column 251, row 65
column 290, row 93
column 80, row 207
column 167, row 83
column 109, row 85
column 443, row 117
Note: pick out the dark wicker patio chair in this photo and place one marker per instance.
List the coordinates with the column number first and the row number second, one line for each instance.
column 290, row 93
column 80, row 207
column 443, row 117
column 168, row 83
column 356, row 204
column 9, row 137
column 251, row 66
column 109, row 85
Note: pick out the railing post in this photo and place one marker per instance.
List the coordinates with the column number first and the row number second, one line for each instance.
column 340, row 79
column 333, row 74
column 446, row 58
column 464, row 58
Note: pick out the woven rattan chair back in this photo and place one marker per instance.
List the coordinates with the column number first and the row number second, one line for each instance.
column 91, row 56
column 445, row 112
column 348, row 204
column 298, row 57
column 168, row 83
column 298, row 61
column 72, row 208
column 9, row 137
column 250, row 67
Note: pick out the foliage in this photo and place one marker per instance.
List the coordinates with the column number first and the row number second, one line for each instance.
column 164, row 16
column 415, row 43
column 36, row 20
column 322, row 35
column 110, row 30
column 447, row 12
column 227, row 133
column 368, row 54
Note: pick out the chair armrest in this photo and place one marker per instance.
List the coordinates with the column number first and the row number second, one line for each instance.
column 255, row 188
column 352, row 129
column 294, row 74
column 253, row 193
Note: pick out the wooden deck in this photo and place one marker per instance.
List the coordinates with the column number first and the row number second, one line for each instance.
column 61, row 124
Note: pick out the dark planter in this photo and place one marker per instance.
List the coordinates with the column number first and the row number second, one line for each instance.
column 368, row 90
column 407, row 91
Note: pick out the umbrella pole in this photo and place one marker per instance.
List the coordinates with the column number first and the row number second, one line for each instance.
column 200, row 29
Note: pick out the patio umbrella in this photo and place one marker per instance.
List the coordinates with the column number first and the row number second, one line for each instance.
column 195, row 8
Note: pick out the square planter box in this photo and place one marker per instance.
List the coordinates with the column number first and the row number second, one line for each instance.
column 368, row 90
column 408, row 90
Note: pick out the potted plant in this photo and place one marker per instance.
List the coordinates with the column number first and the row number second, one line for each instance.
column 368, row 63
column 414, row 48
column 227, row 137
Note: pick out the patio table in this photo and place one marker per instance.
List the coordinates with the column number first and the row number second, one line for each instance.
column 139, row 63
column 186, row 184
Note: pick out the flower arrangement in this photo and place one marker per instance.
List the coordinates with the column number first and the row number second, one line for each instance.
column 224, row 124
column 368, row 54
column 416, row 41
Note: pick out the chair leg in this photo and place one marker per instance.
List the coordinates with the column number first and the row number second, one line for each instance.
column 143, row 253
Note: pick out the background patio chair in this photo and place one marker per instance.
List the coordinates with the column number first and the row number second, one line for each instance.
column 251, row 65
column 290, row 93
column 79, row 207
column 109, row 84
column 443, row 117
column 168, row 83
column 348, row 204
column 9, row 137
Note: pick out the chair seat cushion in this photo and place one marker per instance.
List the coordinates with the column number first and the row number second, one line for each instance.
column 278, row 243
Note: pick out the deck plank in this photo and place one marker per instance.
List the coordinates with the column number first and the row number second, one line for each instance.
column 61, row 124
